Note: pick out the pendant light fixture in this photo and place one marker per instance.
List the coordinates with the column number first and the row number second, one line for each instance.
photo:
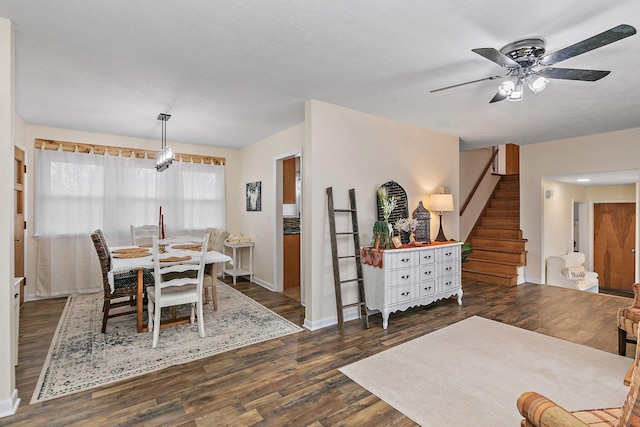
column 165, row 156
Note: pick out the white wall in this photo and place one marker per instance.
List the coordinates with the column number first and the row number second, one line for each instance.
column 558, row 216
column 8, row 393
column 31, row 132
column 472, row 163
column 259, row 164
column 347, row 149
column 593, row 153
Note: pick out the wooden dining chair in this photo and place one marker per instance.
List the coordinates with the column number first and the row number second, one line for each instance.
column 125, row 283
column 216, row 242
column 143, row 233
column 174, row 285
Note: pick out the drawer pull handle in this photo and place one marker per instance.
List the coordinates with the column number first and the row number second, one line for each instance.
column 428, row 288
column 448, row 254
column 427, row 257
column 448, row 268
column 405, row 259
column 427, row 273
column 405, row 277
column 404, row 294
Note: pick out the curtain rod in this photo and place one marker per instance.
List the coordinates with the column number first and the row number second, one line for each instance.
column 49, row 144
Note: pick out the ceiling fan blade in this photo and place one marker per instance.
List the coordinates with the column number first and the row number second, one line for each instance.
column 573, row 74
column 496, row 56
column 465, row 83
column 497, row 97
column 599, row 40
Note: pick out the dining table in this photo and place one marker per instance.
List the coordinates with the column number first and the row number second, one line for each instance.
column 127, row 258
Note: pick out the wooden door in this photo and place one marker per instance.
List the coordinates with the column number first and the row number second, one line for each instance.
column 614, row 233
column 291, row 260
column 18, row 218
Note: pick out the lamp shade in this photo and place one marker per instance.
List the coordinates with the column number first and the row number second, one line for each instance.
column 441, row 202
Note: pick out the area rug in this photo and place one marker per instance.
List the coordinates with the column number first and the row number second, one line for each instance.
column 81, row 357
column 472, row 372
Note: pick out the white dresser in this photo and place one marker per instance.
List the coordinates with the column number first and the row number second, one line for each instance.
column 411, row 277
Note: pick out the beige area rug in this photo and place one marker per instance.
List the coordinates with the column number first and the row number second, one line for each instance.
column 472, row 372
column 81, row 357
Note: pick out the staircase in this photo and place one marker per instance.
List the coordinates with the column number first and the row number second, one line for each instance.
column 496, row 239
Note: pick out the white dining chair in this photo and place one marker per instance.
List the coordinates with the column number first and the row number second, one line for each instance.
column 176, row 288
column 143, row 233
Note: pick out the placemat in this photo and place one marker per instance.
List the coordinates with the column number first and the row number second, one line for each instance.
column 175, row 258
column 132, row 254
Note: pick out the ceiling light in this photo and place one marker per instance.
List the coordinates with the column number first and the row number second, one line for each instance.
column 517, row 93
column 537, row 83
column 165, row 156
column 506, row 88
column 584, row 180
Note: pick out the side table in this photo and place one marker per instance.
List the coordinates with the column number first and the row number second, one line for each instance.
column 236, row 255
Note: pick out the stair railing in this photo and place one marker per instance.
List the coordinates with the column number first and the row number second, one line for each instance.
column 478, row 181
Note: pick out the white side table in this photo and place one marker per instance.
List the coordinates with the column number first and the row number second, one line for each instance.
column 236, row 255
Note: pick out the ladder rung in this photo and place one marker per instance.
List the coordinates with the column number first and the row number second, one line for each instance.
column 355, row 304
column 348, row 256
column 347, row 233
column 344, row 210
column 357, row 279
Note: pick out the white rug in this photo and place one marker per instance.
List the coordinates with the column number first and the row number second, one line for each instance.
column 81, row 357
column 472, row 372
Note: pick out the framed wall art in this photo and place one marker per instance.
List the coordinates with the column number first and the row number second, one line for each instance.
column 254, row 196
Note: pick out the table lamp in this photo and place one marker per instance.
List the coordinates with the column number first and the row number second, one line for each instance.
column 442, row 202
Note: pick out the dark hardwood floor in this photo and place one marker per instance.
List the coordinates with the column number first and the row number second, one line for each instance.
column 294, row 380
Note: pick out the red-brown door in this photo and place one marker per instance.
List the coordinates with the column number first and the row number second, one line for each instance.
column 614, row 233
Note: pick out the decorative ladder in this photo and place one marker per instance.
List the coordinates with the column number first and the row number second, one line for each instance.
column 338, row 282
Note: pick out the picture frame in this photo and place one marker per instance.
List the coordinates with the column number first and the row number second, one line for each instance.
column 254, row 196
column 397, row 241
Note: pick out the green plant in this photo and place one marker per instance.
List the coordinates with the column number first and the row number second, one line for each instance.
column 465, row 250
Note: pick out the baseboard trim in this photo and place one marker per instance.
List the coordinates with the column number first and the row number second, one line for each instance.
column 264, row 284
column 349, row 315
column 9, row 406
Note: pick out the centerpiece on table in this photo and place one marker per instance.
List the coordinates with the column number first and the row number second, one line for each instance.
column 407, row 226
column 382, row 230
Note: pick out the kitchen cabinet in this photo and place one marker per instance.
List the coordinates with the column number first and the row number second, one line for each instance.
column 291, row 260
column 289, row 181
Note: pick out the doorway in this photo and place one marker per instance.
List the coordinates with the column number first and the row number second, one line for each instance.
column 614, row 233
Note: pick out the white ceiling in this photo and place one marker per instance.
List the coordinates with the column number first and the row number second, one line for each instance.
column 234, row 72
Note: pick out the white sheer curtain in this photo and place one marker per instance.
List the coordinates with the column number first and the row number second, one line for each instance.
column 77, row 193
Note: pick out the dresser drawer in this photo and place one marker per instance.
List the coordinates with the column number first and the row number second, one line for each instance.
column 427, row 272
column 403, row 276
column 447, row 283
column 447, row 268
column 400, row 259
column 427, row 256
column 428, row 287
column 448, row 253
column 403, row 293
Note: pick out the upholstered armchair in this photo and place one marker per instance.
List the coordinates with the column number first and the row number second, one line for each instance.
column 628, row 318
column 538, row 411
column 217, row 238
column 568, row 271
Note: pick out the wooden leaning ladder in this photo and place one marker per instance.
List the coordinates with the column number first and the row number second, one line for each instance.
column 338, row 282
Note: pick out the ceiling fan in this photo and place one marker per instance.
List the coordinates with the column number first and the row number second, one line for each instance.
column 526, row 62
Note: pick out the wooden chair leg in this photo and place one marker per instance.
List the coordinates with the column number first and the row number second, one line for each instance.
column 622, row 342
column 214, row 297
column 105, row 316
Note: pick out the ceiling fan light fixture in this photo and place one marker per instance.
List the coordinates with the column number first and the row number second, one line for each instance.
column 537, row 83
column 517, row 93
column 506, row 88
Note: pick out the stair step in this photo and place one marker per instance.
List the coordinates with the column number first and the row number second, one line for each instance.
column 492, row 279
column 505, row 203
column 517, row 258
column 515, row 245
column 502, row 213
column 509, row 194
column 493, row 222
column 514, row 177
column 489, row 267
column 509, row 185
column 504, row 233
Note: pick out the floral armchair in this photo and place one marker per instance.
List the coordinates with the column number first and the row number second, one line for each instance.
column 628, row 318
column 538, row 411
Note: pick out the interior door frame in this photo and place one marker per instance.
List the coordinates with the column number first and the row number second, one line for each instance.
column 278, row 267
